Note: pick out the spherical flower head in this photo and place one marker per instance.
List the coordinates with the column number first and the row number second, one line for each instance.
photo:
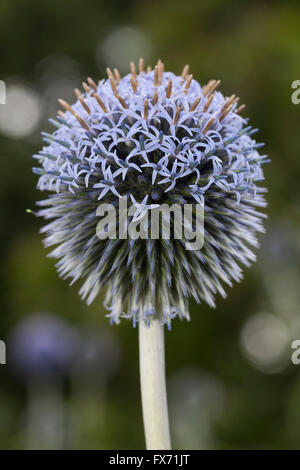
column 41, row 346
column 153, row 138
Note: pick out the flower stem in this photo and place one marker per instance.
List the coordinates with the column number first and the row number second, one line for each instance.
column 153, row 385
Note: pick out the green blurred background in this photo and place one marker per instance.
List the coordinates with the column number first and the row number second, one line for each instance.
column 231, row 382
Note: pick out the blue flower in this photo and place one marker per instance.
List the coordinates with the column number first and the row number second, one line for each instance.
column 155, row 138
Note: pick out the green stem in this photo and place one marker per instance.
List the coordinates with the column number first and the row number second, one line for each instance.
column 153, row 386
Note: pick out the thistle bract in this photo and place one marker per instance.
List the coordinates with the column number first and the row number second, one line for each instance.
column 155, row 138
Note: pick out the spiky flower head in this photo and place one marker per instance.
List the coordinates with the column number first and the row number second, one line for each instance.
column 155, row 138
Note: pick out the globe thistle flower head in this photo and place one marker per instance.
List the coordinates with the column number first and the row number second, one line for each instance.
column 154, row 138
column 41, row 346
